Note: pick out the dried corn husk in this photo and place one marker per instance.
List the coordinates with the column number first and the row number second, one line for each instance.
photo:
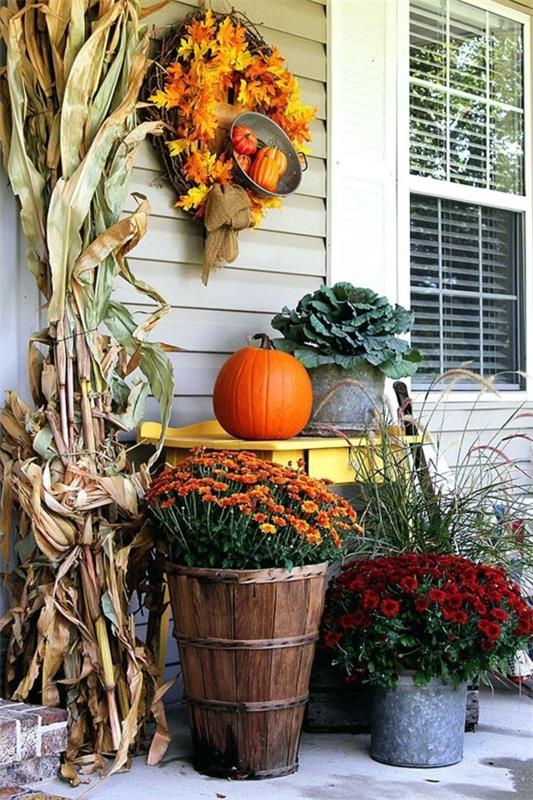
column 69, row 504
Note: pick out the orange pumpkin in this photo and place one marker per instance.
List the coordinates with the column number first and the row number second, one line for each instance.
column 243, row 161
column 261, row 393
column 244, row 140
column 269, row 164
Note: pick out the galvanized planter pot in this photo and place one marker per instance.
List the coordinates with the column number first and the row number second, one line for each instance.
column 418, row 726
column 335, row 705
column 345, row 399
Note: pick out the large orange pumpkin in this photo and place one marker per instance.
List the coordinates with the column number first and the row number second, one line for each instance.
column 262, row 393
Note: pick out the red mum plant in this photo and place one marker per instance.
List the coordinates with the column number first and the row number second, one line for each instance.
column 232, row 510
column 435, row 615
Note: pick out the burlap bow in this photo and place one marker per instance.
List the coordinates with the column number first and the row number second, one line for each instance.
column 227, row 211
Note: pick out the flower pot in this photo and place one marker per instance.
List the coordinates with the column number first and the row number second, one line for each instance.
column 418, row 726
column 246, row 640
column 345, row 399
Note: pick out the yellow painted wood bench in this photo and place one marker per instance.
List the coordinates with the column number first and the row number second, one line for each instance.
column 324, row 457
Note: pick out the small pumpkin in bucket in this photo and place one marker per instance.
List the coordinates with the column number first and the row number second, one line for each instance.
column 244, row 140
column 262, row 394
column 269, row 165
column 243, row 160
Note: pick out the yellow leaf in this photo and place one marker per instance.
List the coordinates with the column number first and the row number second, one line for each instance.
column 177, row 146
column 241, row 60
column 244, row 97
column 186, row 47
column 159, row 98
column 194, row 197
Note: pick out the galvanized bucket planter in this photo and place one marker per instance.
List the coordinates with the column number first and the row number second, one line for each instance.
column 345, row 399
column 418, row 726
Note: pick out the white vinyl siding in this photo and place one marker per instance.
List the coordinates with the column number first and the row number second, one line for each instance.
column 277, row 263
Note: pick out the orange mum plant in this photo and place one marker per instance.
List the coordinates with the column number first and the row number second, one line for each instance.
column 232, row 510
column 221, row 58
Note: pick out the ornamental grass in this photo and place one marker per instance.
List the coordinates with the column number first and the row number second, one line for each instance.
column 233, row 510
column 435, row 615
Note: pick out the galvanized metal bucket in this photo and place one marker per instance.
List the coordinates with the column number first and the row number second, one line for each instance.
column 345, row 399
column 418, row 726
column 269, row 134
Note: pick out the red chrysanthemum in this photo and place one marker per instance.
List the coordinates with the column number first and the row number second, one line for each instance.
column 389, row 607
column 491, row 629
column 409, row 583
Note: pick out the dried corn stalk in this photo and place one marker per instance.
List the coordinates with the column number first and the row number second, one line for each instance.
column 69, row 134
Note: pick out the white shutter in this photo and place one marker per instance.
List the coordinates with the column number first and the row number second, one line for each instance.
column 362, row 131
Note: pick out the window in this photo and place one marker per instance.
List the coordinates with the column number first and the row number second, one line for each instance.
column 468, row 188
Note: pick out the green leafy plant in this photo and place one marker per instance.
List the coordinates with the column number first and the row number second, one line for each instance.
column 232, row 510
column 436, row 615
column 346, row 325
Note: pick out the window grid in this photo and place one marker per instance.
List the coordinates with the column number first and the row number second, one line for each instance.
column 481, row 294
column 461, row 173
column 513, row 196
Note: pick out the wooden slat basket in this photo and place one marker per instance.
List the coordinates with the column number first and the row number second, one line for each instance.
column 247, row 641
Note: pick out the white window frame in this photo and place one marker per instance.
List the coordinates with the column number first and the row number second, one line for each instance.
column 408, row 184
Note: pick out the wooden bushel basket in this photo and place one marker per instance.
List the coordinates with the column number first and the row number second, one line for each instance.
column 247, row 641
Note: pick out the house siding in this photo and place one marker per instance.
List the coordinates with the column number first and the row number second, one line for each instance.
column 277, row 263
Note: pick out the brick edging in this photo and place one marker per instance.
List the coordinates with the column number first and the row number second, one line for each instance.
column 30, row 732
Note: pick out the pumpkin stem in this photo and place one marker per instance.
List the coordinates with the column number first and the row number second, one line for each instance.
column 265, row 341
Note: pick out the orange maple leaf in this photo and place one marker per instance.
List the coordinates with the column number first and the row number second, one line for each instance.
column 222, row 170
column 197, row 167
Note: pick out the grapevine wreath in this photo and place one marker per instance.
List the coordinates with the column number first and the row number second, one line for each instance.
column 211, row 68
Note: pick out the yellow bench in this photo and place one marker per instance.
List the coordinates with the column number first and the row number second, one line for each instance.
column 324, row 457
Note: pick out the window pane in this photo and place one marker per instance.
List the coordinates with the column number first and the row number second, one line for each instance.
column 506, row 150
column 468, row 48
column 506, row 60
column 426, row 336
column 466, row 288
column 460, row 246
column 467, row 126
column 428, row 132
column 500, row 251
column 425, row 242
column 461, row 339
column 468, row 142
column 500, row 347
column 428, row 40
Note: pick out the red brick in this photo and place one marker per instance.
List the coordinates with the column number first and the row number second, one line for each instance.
column 8, row 741
column 50, row 716
column 54, row 742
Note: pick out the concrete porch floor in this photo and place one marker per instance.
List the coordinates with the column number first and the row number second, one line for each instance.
column 497, row 765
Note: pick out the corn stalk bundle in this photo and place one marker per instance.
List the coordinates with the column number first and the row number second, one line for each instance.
column 70, row 502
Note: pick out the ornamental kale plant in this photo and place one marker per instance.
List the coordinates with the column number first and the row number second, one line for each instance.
column 232, row 510
column 436, row 615
column 346, row 325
